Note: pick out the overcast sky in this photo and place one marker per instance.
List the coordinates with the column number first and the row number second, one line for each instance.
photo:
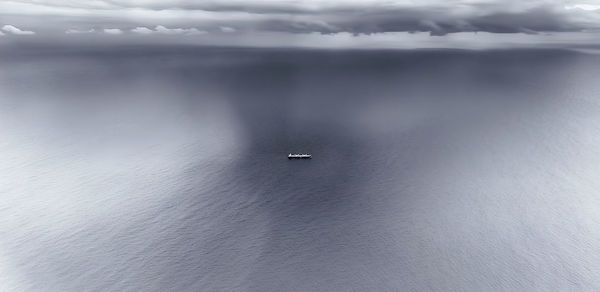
column 319, row 23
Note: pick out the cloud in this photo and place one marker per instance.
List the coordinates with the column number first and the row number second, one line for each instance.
column 142, row 30
column 113, row 31
column 295, row 17
column 440, row 22
column 160, row 29
column 15, row 30
column 584, row 6
column 188, row 31
column 227, row 29
column 77, row 31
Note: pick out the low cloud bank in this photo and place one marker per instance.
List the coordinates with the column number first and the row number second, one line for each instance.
column 159, row 29
column 11, row 29
column 113, row 31
column 77, row 31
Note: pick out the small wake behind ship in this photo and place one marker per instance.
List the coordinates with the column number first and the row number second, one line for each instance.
column 299, row 156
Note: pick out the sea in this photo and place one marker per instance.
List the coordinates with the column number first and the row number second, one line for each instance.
column 164, row 168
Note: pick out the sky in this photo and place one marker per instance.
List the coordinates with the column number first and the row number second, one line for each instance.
column 307, row 23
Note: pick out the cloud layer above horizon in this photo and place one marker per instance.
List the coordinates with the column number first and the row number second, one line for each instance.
column 11, row 29
column 238, row 18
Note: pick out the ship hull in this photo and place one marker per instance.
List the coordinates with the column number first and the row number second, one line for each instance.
column 300, row 157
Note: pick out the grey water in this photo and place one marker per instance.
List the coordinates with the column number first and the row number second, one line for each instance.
column 165, row 169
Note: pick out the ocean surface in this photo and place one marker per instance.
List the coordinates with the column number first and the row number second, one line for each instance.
column 165, row 169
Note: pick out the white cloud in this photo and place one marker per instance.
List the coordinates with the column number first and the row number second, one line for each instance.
column 15, row 30
column 142, row 30
column 583, row 6
column 227, row 29
column 1, row 33
column 188, row 31
column 113, row 31
column 160, row 29
column 77, row 31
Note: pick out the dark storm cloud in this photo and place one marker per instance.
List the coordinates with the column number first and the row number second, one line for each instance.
column 439, row 23
column 307, row 23
column 351, row 16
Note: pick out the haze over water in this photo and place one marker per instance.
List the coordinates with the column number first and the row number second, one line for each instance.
column 165, row 169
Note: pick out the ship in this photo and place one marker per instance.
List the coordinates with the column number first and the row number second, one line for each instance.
column 299, row 156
